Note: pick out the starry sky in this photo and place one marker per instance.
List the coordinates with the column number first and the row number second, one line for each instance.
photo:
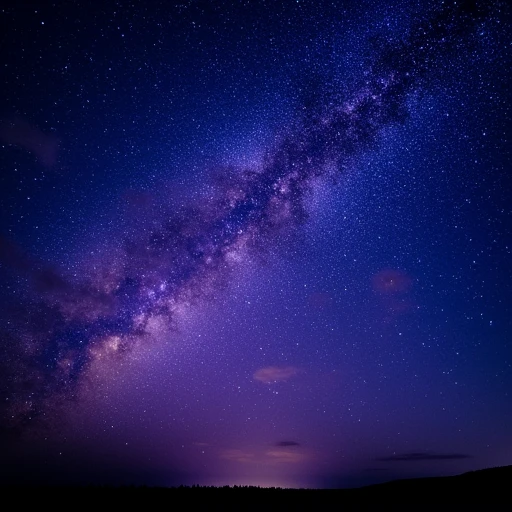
column 258, row 243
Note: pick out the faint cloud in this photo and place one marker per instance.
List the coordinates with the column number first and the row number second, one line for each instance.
column 236, row 455
column 287, row 443
column 284, row 457
column 18, row 132
column 320, row 300
column 391, row 281
column 270, row 374
column 394, row 289
column 79, row 301
column 286, row 454
column 421, row 456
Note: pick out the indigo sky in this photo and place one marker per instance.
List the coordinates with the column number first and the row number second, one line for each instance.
column 262, row 243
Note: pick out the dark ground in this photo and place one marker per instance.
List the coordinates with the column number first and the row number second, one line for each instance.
column 489, row 488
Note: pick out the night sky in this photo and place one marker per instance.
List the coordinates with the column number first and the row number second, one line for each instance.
column 259, row 243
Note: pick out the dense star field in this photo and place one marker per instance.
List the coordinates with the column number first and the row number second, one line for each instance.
column 258, row 243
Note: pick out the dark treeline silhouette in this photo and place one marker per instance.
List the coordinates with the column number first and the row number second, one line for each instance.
column 487, row 486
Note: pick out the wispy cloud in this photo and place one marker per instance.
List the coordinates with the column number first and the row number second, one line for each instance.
column 283, row 457
column 271, row 374
column 237, row 455
column 422, row 456
column 391, row 281
column 287, row 443
column 283, row 454
column 18, row 132
column 394, row 287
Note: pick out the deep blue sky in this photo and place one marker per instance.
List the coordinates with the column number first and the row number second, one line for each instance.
column 254, row 243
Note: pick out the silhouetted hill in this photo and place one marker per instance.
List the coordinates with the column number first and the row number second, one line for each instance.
column 487, row 486
column 481, row 484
